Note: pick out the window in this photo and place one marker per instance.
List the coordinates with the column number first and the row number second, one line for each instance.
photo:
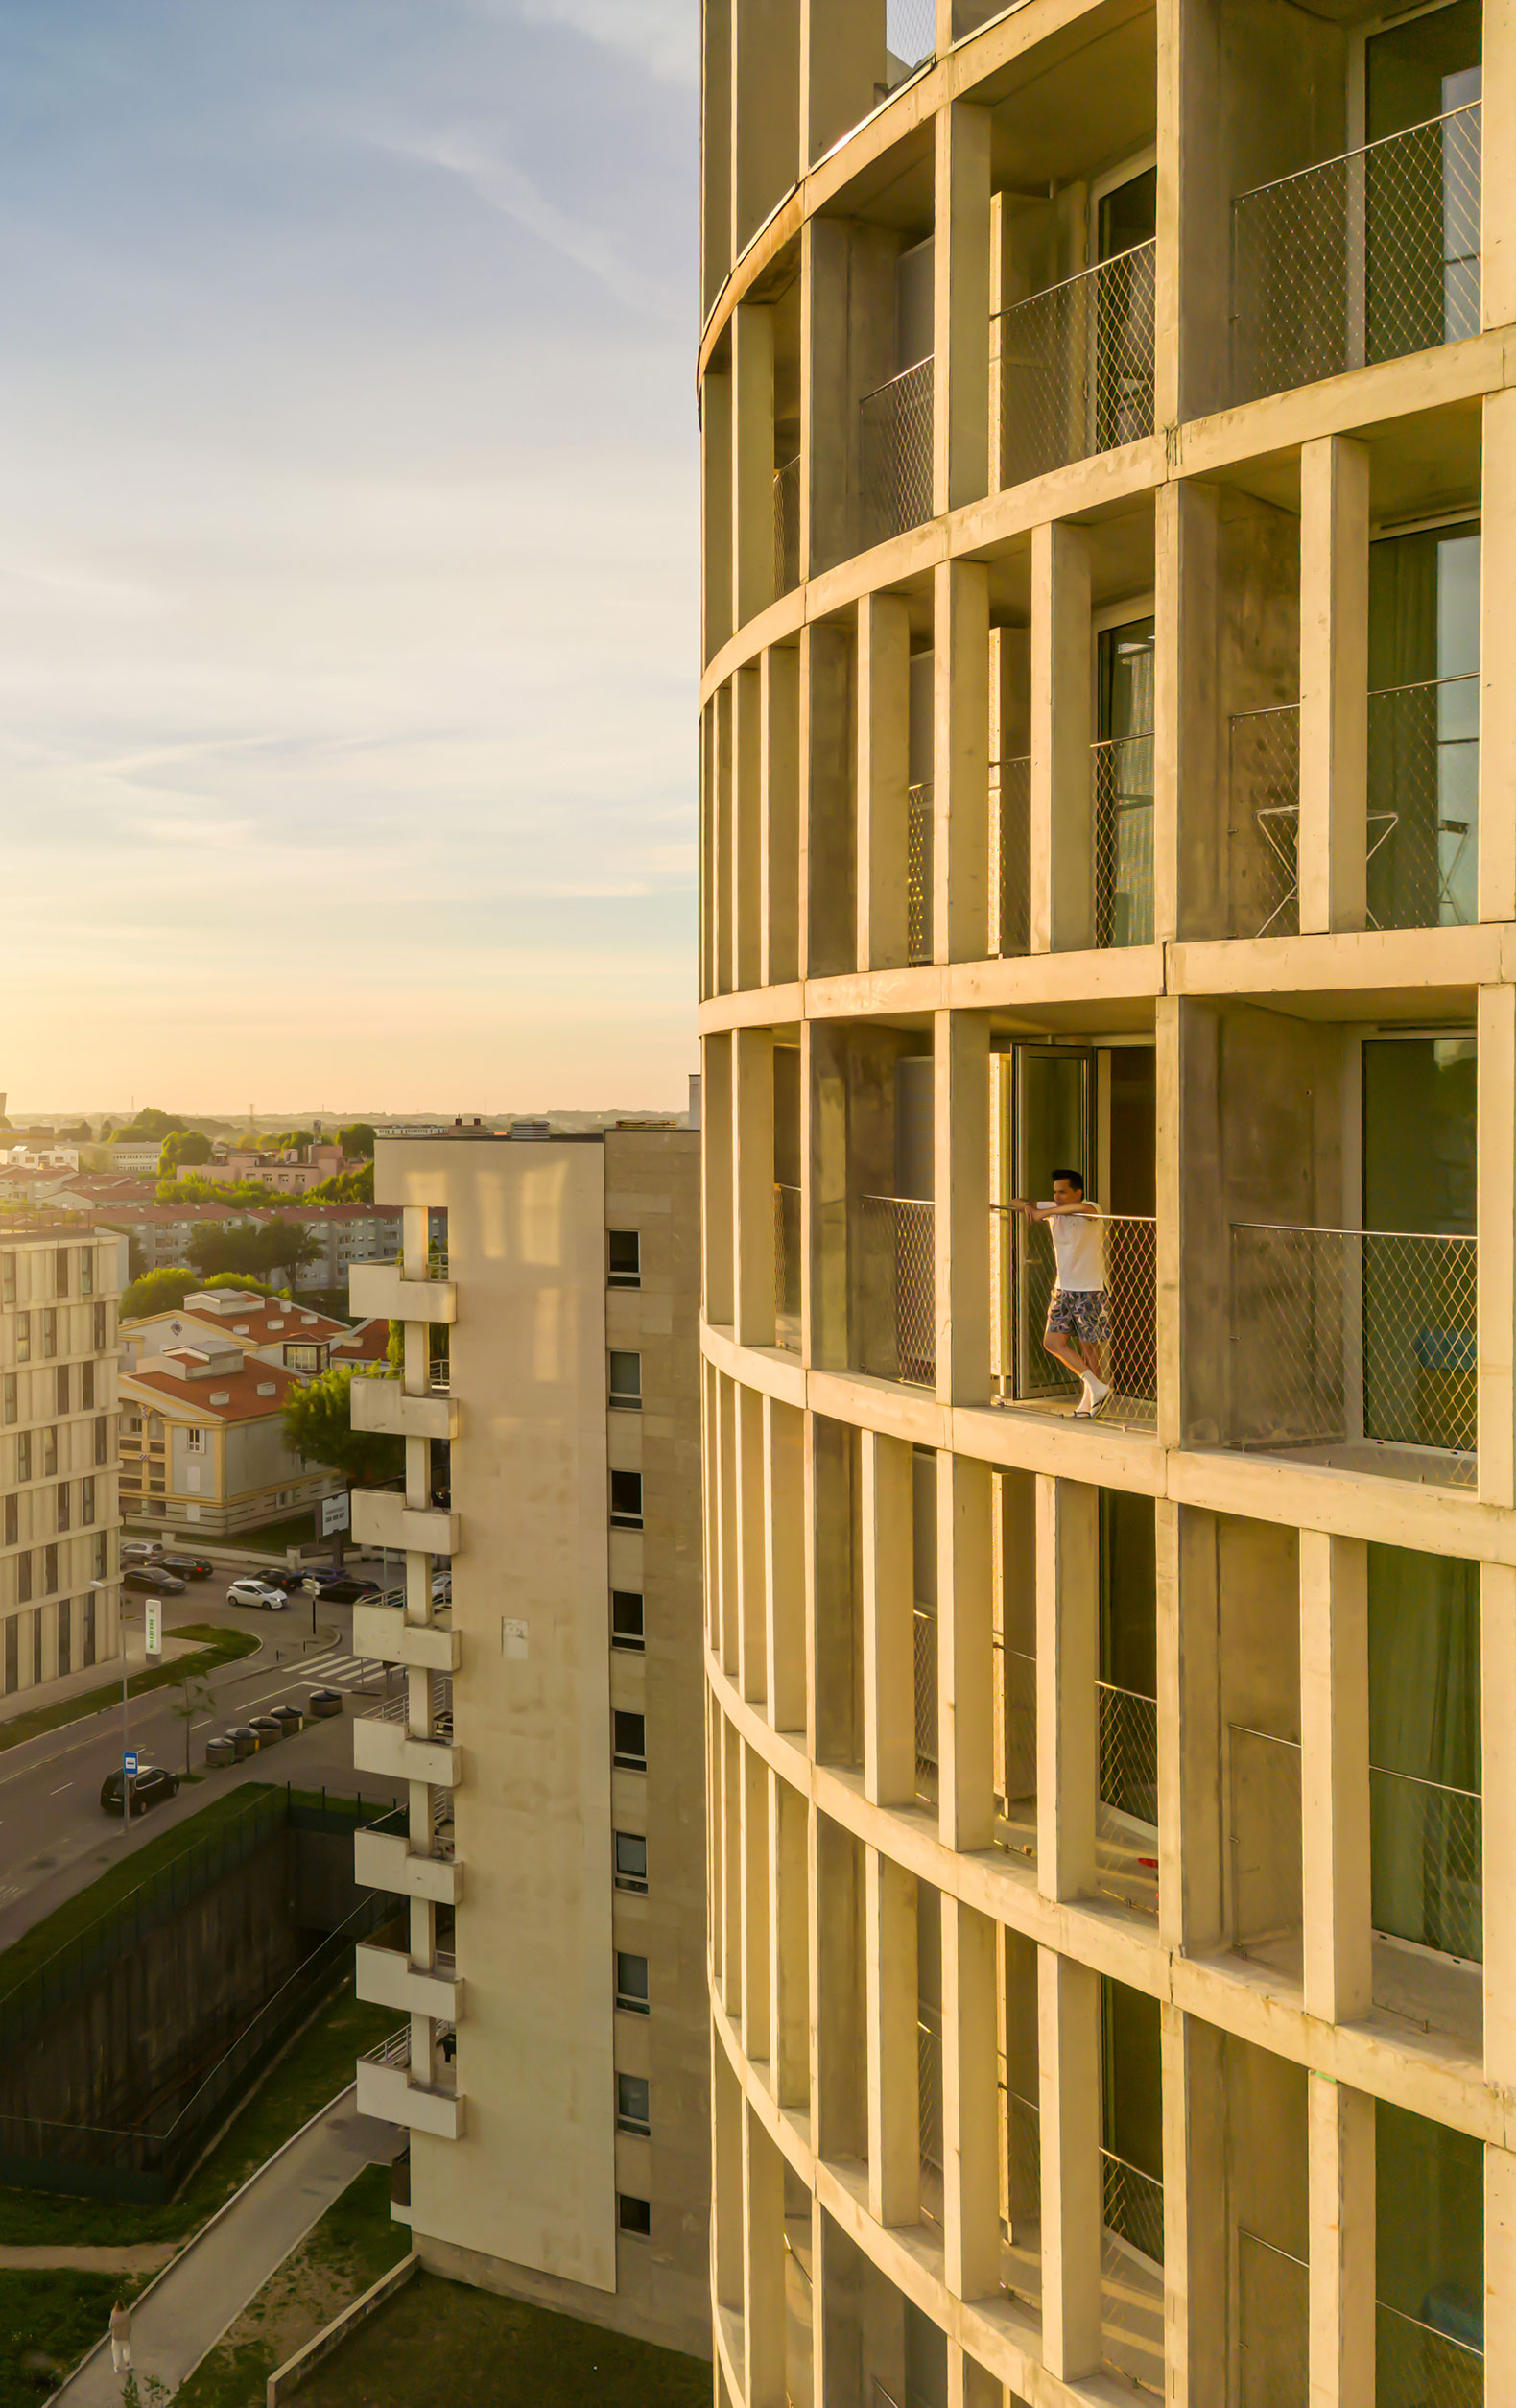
column 625, row 1620
column 632, row 1741
column 632, row 1861
column 86, row 1287
column 194, row 1441
column 49, row 1570
column 631, row 1983
column 101, row 1568
column 626, row 1500
column 23, row 1456
column 622, row 1258
column 88, row 1649
column 86, row 1387
column 631, row 2104
column 102, row 1440
column 65, row 1635
column 23, row 1337
column 36, row 1644
column 626, row 1382
column 49, row 1331
column 7, row 1278
column 101, row 1325
column 633, row 2215
column 61, row 1271
column 23, row 1577
column 9, row 1407
column 60, row 1389
column 12, row 1520
column 50, row 1453
column 63, row 1520
column 86, row 1501
column 12, row 1655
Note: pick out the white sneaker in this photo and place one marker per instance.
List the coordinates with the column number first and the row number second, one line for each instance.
column 1099, row 1393
column 1085, row 1410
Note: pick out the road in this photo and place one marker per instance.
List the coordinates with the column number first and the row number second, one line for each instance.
column 53, row 1836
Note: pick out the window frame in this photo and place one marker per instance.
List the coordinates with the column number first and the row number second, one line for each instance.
column 631, row 2002
column 623, row 1279
column 627, row 1877
column 623, row 1399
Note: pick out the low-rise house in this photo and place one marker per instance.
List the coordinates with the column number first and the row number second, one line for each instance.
column 202, row 1444
column 269, row 1328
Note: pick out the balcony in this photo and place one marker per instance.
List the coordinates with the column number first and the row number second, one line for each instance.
column 386, row 1860
column 1010, row 858
column 1122, row 781
column 381, row 1291
column 1132, row 2272
column 1356, row 1350
column 387, row 1977
column 1077, row 366
column 894, row 1287
column 919, row 875
column 1127, row 1810
column 383, row 1744
column 787, row 1253
column 381, row 1518
column 1369, row 257
column 787, row 527
column 1023, row 1275
column 894, row 450
column 383, row 1404
column 386, row 2092
column 1263, row 785
column 383, row 1633
column 1416, row 2361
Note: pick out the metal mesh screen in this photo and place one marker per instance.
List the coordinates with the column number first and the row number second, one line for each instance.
column 1354, row 1335
column 919, row 875
column 1273, row 2326
column 1427, row 1851
column 1122, row 800
column 1129, row 1763
column 1131, row 2208
column 925, row 1664
column 1023, row 1275
column 1010, row 857
column 1423, row 804
column 1415, row 2366
column 786, row 1268
column 894, row 447
column 1364, row 257
column 1265, row 790
column 1077, row 366
column 896, row 1288
column 910, row 31
column 787, row 526
column 929, row 2087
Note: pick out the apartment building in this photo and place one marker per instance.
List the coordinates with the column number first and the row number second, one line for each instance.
column 1109, row 753
column 552, row 2071
column 60, row 1525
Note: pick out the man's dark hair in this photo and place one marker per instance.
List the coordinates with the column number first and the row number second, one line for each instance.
column 1076, row 1179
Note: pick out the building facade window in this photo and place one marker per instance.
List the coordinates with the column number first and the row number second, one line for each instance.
column 12, row 1654
column 87, row 1500
column 60, row 1278
column 49, row 1331
column 65, row 1635
column 102, row 1569
column 626, row 1500
column 635, row 2215
column 626, row 1382
column 86, row 1387
column 102, row 1440
column 101, row 1329
column 625, row 1620
column 23, row 1456
column 631, row 1983
column 50, row 1453
column 194, row 1441
column 87, row 1634
column 23, row 1337
column 62, row 1521
column 86, row 1276
column 631, row 2104
column 7, row 1278
column 49, row 1570
column 36, row 1620
column 622, row 1258
column 62, row 1389
column 632, row 1861
column 23, row 1577
column 8, row 1397
column 630, row 1741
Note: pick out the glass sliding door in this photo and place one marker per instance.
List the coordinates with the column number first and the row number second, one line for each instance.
column 1122, row 797
column 1426, row 1821
column 1424, row 729
column 1422, row 192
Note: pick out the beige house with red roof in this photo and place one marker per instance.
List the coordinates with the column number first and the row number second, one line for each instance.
column 202, row 1446
column 272, row 1329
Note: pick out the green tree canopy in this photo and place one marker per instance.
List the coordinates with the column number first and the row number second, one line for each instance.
column 158, row 1291
column 252, row 1246
column 149, row 1122
column 239, row 1279
column 357, row 1138
column 317, row 1426
column 344, row 1187
column 182, row 1145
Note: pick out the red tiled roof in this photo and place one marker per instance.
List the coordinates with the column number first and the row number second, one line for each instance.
column 240, row 1389
column 367, row 1341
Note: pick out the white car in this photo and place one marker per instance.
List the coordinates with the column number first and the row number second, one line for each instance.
column 251, row 1592
column 441, row 1589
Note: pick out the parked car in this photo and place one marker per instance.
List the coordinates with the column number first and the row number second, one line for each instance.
column 441, row 1589
column 292, row 1582
column 346, row 1589
column 257, row 1593
column 244, row 1739
column 190, row 1568
column 157, row 1582
column 269, row 1730
column 141, row 1550
column 325, row 1701
column 149, row 1786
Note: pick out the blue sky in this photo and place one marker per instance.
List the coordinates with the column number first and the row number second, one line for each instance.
column 348, row 552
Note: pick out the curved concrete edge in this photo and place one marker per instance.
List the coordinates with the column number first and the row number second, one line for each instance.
column 195, row 2240
column 286, row 2379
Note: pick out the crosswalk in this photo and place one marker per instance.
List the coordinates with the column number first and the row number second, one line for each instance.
column 337, row 1671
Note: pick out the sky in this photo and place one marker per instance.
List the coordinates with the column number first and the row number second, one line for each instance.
column 348, row 553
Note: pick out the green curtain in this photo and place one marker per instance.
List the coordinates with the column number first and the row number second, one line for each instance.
column 1424, row 1749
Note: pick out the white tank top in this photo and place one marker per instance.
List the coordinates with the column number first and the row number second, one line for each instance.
column 1078, row 1245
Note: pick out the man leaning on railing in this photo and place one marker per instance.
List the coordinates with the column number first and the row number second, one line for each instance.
column 1078, row 1312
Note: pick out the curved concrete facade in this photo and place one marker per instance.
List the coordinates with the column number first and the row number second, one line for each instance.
column 1107, row 764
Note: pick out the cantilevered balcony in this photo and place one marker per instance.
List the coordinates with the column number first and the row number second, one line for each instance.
column 1077, row 366
column 388, row 2090
column 1023, row 1275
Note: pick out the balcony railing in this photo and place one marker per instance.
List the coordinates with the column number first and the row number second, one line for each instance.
column 894, row 1240
column 1415, row 2361
column 787, row 526
column 1264, row 788
column 894, row 448
column 1357, row 1341
column 1077, row 366
column 787, row 1267
column 1273, row 2326
column 1426, row 1852
column 910, row 36
column 1022, row 1277
column 1010, row 857
column 1128, row 1753
column 1423, row 804
column 1360, row 258
column 925, row 1665
column 1132, row 2278
column 1015, row 1674
column 919, row 875
column 1264, row 1836
column 1123, row 805
column 1132, row 2205
column 929, row 2093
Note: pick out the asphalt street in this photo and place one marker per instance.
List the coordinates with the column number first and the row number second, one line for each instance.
column 54, row 1834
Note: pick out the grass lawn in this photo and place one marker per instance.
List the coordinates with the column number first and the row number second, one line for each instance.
column 49, row 2316
column 296, row 1530
column 355, row 2242
column 221, row 1646
column 444, row 2344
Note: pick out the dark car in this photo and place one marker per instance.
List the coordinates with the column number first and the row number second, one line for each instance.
column 190, row 1568
column 156, row 1583
column 345, row 1589
column 292, row 1584
column 149, row 1786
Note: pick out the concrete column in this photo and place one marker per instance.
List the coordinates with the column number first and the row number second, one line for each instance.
column 716, row 509
column 961, row 1219
column 1069, row 2092
column 1498, row 549
column 1333, row 683
column 788, row 1956
column 716, row 1165
column 826, row 430
column 707, row 810
column 1195, row 2239
column 1339, row 2136
column 966, row 1651
column 752, row 461
column 752, row 1185
column 748, row 857
column 1496, row 1226
column 959, row 760
column 884, row 778
column 1499, row 2257
column 1063, row 819
column 970, row 2104
column 1498, row 201
column 1497, row 1719
column 752, row 1547
column 894, row 2122
column 1178, row 1117
column 763, row 2253
column 889, row 1744
column 779, row 807
column 727, row 2244
column 783, row 1488
column 766, row 93
column 1068, row 1666
column 1190, row 1819
column 824, row 1052
column 1190, row 892
column 726, row 1533
column 757, row 2001
column 723, row 870
column 841, row 62
column 1333, row 1776
column 961, row 307
column 1193, row 296
column 732, row 1755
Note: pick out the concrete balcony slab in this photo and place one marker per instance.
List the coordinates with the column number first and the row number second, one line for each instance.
column 383, row 1633
column 380, row 1746
column 381, row 1290
column 385, row 1860
column 387, row 1978
column 381, row 1518
column 389, row 2093
column 384, row 1405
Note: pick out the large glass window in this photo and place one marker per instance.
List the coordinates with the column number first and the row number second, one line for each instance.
column 1424, row 727
column 1123, row 786
column 1418, row 1283
column 1424, row 1750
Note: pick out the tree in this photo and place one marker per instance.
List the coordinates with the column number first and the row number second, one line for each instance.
column 197, row 1190
column 252, row 1247
column 240, row 1279
column 182, row 1145
column 196, row 1699
column 318, row 1428
column 156, row 1292
column 344, row 1187
column 149, row 1122
column 357, row 1139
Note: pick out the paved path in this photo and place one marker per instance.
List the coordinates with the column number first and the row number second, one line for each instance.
column 141, row 2257
column 188, row 2308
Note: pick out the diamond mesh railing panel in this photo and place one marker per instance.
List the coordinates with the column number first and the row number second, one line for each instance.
column 894, row 447
column 1123, row 803
column 1023, row 1275
column 787, row 526
column 1131, row 2208
column 1415, row 2366
column 1355, row 1336
column 929, row 2095
column 910, row 31
column 1265, row 789
column 1077, row 366
column 1128, row 1760
column 925, row 1666
column 1273, row 2321
column 896, row 1288
column 1360, row 258
column 1423, row 804
column 1010, row 857
column 919, row 875
column 787, row 1267
column 1426, row 1859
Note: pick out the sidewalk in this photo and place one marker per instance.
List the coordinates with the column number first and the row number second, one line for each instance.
column 105, row 1675
column 184, row 2313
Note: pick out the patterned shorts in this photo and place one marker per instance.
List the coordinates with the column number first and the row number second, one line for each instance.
column 1080, row 1313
